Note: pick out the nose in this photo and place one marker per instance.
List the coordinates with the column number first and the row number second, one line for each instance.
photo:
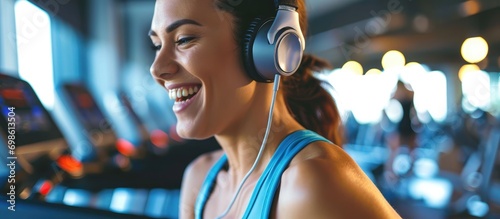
column 164, row 66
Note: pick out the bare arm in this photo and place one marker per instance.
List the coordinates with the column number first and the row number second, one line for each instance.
column 330, row 186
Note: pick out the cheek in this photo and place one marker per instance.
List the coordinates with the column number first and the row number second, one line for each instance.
column 215, row 60
column 221, row 55
column 227, row 58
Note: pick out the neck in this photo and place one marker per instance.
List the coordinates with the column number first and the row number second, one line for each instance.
column 242, row 141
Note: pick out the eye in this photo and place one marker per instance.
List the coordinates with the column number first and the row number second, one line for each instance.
column 184, row 40
column 155, row 47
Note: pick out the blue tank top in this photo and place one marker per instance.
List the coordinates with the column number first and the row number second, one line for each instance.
column 263, row 194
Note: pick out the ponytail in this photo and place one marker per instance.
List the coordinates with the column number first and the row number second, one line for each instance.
column 310, row 103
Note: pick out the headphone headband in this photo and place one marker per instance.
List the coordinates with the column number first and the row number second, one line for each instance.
column 291, row 3
column 286, row 17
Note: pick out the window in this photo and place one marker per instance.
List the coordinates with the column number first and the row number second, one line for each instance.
column 34, row 49
column 8, row 57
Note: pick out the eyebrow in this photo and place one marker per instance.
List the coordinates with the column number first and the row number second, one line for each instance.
column 176, row 25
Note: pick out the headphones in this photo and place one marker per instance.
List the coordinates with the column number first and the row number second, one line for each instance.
column 274, row 45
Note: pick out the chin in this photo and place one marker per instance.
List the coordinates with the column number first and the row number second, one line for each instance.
column 189, row 131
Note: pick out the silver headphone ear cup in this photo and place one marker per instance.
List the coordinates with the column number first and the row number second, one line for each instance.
column 283, row 57
column 288, row 53
column 263, row 60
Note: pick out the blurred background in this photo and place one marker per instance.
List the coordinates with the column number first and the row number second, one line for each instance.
column 416, row 82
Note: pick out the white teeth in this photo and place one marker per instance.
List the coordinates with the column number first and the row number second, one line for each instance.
column 172, row 95
column 177, row 93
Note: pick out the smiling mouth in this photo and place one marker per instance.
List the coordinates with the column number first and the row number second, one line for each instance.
column 182, row 94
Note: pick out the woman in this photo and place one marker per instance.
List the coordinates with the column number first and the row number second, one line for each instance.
column 198, row 60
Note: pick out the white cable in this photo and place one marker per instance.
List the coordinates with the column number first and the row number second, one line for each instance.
column 277, row 78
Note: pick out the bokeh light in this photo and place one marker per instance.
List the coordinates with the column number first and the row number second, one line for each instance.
column 430, row 95
column 467, row 69
column 393, row 59
column 373, row 71
column 412, row 72
column 470, row 7
column 476, row 89
column 159, row 138
column 125, row 147
column 394, row 111
column 474, row 49
column 353, row 67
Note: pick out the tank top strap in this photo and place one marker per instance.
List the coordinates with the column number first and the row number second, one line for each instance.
column 261, row 201
column 262, row 198
column 207, row 186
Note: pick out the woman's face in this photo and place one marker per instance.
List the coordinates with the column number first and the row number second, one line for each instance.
column 198, row 62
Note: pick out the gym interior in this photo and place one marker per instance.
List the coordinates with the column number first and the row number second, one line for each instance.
column 88, row 133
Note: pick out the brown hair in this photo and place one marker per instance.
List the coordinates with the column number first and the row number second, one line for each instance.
column 306, row 99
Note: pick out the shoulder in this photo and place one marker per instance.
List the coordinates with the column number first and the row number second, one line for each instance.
column 194, row 175
column 203, row 162
column 323, row 181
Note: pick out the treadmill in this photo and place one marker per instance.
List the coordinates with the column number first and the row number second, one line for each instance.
column 149, row 156
column 47, row 175
column 36, row 145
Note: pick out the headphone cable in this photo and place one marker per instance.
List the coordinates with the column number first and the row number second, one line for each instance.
column 277, row 78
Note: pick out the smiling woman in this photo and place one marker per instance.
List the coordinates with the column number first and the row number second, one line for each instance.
column 216, row 59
